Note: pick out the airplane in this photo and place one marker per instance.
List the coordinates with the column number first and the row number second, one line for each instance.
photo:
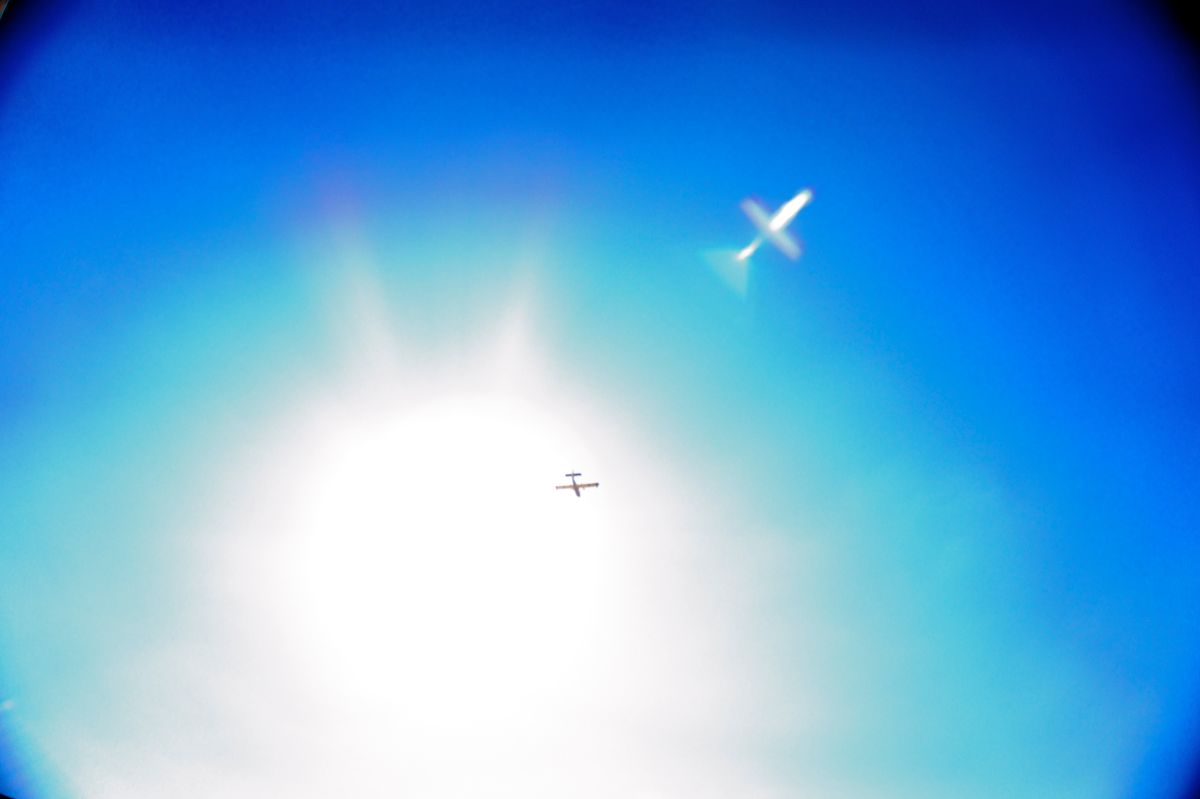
column 574, row 486
column 771, row 227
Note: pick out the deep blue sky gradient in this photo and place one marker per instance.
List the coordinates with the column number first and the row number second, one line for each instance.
column 993, row 336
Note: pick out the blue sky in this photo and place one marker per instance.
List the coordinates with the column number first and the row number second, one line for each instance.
column 915, row 516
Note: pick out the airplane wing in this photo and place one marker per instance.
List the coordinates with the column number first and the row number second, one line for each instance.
column 758, row 215
column 577, row 488
column 786, row 243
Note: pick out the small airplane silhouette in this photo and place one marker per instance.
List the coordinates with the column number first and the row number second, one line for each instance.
column 576, row 487
column 771, row 227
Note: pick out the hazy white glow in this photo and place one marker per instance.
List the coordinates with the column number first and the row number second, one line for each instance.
column 410, row 572
column 431, row 555
column 391, row 598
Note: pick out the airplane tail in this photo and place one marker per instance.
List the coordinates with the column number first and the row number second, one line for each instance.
column 732, row 269
column 749, row 249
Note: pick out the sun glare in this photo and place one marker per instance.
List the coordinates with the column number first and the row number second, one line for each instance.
column 433, row 571
column 395, row 556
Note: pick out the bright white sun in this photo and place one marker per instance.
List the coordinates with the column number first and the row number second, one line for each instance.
column 435, row 572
